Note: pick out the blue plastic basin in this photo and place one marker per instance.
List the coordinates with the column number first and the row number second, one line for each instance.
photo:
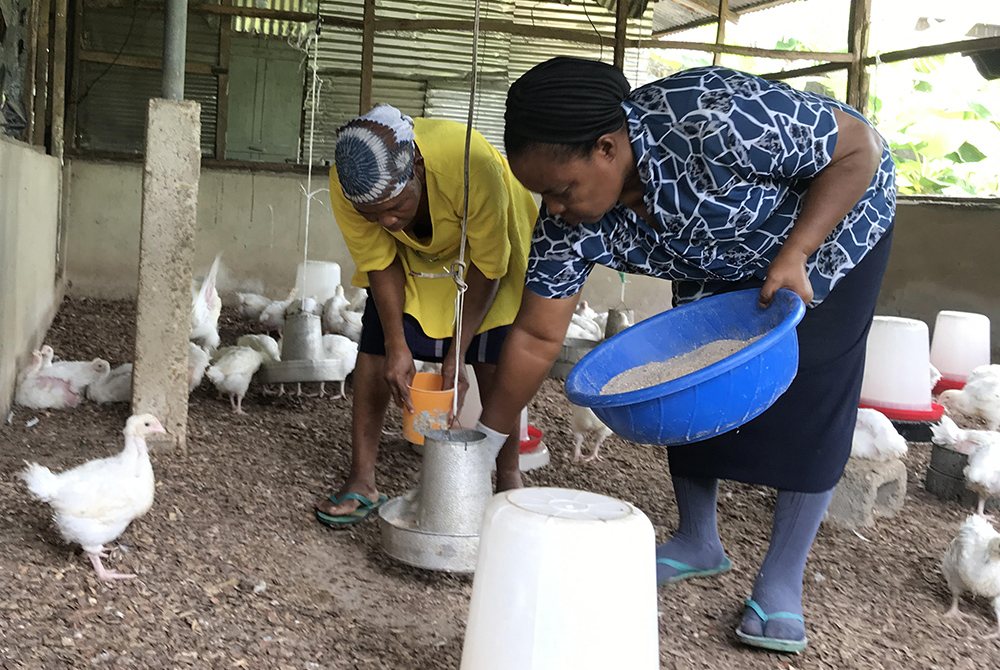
column 706, row 402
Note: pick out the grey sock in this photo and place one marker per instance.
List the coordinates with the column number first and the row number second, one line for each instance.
column 696, row 542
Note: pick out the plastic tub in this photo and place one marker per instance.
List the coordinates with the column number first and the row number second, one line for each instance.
column 317, row 280
column 565, row 580
column 431, row 406
column 960, row 344
column 706, row 402
column 897, row 362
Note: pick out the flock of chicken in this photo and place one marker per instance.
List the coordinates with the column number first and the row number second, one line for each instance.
column 50, row 384
column 972, row 560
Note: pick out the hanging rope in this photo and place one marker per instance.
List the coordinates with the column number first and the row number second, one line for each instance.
column 314, row 95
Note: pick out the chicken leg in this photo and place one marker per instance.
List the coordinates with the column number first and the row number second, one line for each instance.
column 102, row 572
column 577, row 451
column 996, row 610
column 597, row 448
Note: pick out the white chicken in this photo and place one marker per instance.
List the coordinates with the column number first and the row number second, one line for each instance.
column 585, row 423
column 232, row 373
column 206, row 306
column 59, row 385
column 332, row 317
column 358, row 301
column 265, row 345
column 935, row 376
column 92, row 504
column 198, row 360
column 972, row 563
column 350, row 327
column 982, row 474
column 875, row 438
column 979, row 399
column 251, row 305
column 582, row 328
column 345, row 352
column 304, row 305
column 113, row 386
column 273, row 316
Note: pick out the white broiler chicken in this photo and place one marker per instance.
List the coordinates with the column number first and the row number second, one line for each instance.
column 251, row 305
column 304, row 306
column 332, row 317
column 265, row 345
column 935, row 376
column 206, row 306
column 345, row 352
column 232, row 373
column 198, row 360
column 585, row 424
column 273, row 316
column 114, row 386
column 875, row 438
column 350, row 327
column 58, row 385
column 982, row 474
column 358, row 301
column 979, row 399
column 582, row 328
column 972, row 563
column 92, row 504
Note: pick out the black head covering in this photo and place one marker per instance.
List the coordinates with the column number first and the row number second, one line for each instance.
column 565, row 101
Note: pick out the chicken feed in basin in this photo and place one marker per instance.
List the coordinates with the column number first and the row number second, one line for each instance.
column 692, row 372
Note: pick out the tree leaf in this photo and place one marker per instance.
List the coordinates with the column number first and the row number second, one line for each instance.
column 923, row 87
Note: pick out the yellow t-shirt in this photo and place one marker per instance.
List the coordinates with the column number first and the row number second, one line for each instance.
column 502, row 214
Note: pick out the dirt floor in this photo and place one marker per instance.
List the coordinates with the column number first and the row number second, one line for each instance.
column 234, row 571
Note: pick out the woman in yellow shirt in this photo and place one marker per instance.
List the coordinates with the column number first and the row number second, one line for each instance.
column 398, row 193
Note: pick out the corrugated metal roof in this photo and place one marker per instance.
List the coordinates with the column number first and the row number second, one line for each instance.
column 673, row 17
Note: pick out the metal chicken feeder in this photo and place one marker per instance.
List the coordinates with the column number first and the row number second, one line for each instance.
column 302, row 357
column 436, row 526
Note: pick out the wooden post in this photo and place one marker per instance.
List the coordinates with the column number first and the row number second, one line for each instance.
column 29, row 75
column 367, row 57
column 59, row 81
column 222, row 103
column 41, row 72
column 621, row 33
column 720, row 34
column 74, row 83
column 857, row 44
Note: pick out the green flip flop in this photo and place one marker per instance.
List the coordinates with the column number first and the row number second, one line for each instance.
column 685, row 571
column 365, row 508
column 772, row 643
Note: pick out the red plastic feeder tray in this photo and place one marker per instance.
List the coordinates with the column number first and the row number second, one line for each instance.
column 932, row 414
column 534, row 439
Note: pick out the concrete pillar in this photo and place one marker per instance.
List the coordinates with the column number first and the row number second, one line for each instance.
column 166, row 255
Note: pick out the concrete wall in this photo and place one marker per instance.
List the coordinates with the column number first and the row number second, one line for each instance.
column 944, row 256
column 29, row 214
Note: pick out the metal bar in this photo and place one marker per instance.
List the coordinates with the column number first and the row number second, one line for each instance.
column 806, row 71
column 857, row 44
column 367, row 57
column 59, row 81
column 833, row 57
column 720, row 33
column 621, row 32
column 222, row 96
column 145, row 63
column 41, row 83
column 74, row 82
column 174, row 48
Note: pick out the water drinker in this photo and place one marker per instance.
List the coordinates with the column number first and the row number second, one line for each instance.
column 302, row 358
column 706, row 402
column 897, row 363
column 960, row 344
column 317, row 279
column 436, row 526
column 565, row 581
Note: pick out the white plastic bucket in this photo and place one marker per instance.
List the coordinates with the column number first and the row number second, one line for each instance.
column 961, row 343
column 897, row 364
column 318, row 280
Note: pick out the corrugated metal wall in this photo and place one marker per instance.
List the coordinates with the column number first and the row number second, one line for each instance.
column 453, row 103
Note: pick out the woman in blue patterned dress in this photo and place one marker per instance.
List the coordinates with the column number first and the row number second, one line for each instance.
column 717, row 180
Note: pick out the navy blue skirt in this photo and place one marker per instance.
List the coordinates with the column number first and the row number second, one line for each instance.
column 803, row 441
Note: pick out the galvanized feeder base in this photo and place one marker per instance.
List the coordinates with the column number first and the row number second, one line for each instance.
column 291, row 372
column 302, row 355
column 405, row 542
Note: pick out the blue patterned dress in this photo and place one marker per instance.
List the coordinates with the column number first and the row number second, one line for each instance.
column 725, row 159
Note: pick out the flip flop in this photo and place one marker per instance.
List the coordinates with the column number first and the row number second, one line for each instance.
column 772, row 643
column 365, row 508
column 687, row 572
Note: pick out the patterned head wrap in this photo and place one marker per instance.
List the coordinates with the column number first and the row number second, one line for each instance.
column 564, row 101
column 374, row 155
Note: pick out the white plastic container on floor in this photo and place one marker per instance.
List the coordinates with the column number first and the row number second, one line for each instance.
column 319, row 280
column 897, row 370
column 565, row 580
column 961, row 343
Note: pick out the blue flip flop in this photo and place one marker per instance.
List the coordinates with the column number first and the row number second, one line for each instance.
column 685, row 571
column 772, row 643
column 365, row 508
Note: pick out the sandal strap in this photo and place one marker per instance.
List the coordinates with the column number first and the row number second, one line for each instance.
column 774, row 615
column 351, row 496
column 676, row 565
